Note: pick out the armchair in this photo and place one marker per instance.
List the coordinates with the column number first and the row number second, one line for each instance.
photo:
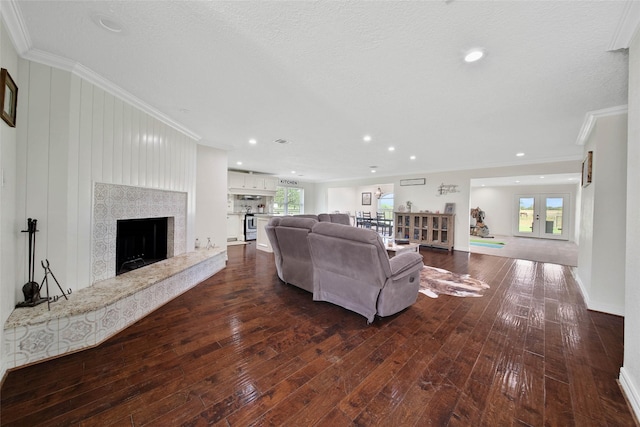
column 351, row 269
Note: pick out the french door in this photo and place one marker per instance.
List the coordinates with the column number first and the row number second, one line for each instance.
column 543, row 216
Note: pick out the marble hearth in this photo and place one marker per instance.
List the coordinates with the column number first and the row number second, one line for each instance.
column 93, row 314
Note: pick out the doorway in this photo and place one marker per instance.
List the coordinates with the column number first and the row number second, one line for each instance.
column 542, row 216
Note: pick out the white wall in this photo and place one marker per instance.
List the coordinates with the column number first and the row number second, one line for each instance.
column 426, row 197
column 211, row 201
column 601, row 254
column 9, row 227
column 72, row 134
column 630, row 372
column 499, row 204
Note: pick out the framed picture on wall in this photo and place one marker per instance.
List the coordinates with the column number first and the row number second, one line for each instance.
column 8, row 97
column 366, row 198
column 587, row 166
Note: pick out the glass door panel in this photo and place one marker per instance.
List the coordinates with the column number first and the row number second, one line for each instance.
column 542, row 215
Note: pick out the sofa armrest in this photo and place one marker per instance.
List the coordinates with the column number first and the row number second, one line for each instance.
column 405, row 262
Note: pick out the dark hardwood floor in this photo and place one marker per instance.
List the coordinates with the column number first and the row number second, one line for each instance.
column 243, row 349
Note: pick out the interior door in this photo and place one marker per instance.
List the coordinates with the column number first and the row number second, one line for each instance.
column 542, row 216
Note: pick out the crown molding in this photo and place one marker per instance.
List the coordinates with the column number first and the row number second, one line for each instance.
column 19, row 35
column 627, row 27
column 591, row 118
column 16, row 27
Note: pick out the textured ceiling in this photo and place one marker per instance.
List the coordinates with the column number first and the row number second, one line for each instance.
column 323, row 74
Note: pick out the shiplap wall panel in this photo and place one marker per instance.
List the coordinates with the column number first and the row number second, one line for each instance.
column 79, row 134
column 38, row 155
column 135, row 146
column 117, row 141
column 58, row 167
column 126, row 143
column 73, row 154
column 21, row 178
column 85, row 180
column 107, row 144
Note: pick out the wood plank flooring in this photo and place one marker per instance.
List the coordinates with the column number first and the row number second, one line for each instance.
column 244, row 349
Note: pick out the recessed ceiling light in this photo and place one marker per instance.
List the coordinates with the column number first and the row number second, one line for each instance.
column 108, row 23
column 253, row 141
column 373, row 171
column 238, row 163
column 392, row 148
column 293, row 171
column 517, row 182
column 366, row 138
column 474, row 55
column 412, row 157
column 542, row 177
column 572, row 179
column 520, row 154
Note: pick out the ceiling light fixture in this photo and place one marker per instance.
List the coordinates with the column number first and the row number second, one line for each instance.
column 293, row 172
column 392, row 148
column 238, row 163
column 253, row 141
column 366, row 138
column 412, row 158
column 519, row 154
column 474, row 55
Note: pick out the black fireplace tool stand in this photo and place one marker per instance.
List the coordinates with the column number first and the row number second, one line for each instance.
column 32, row 290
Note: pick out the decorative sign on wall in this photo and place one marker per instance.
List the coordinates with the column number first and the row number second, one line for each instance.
column 287, row 181
column 447, row 188
column 413, row 181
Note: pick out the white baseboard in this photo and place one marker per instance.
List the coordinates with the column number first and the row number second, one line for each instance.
column 594, row 305
column 630, row 391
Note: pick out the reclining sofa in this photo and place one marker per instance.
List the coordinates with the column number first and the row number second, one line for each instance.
column 344, row 265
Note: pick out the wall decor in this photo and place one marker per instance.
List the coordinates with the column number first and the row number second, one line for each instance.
column 366, row 198
column 8, row 97
column 449, row 208
column 587, row 168
column 413, row 181
column 447, row 188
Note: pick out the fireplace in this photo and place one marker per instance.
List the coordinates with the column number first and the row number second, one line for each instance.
column 140, row 242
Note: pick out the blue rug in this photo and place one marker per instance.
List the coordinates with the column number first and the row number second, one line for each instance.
column 495, row 245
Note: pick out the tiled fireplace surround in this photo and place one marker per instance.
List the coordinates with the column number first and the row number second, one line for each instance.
column 110, row 304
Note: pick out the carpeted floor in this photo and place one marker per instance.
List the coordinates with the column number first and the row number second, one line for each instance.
column 542, row 250
column 437, row 281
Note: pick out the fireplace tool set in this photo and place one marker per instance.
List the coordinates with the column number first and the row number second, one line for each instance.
column 31, row 289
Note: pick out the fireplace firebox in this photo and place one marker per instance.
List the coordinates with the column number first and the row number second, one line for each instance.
column 140, row 242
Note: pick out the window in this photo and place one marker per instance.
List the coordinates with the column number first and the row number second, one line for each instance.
column 385, row 204
column 288, row 201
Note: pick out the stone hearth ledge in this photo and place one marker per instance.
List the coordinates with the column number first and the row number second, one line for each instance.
column 93, row 314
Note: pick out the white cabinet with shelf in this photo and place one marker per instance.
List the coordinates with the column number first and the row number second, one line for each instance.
column 235, row 231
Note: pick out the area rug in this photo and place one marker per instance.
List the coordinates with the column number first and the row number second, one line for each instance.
column 437, row 281
column 487, row 244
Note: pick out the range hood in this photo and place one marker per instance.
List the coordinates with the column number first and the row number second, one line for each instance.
column 248, row 197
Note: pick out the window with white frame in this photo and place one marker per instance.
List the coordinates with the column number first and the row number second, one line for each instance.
column 288, row 201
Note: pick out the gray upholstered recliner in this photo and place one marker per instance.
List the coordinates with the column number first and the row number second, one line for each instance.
column 336, row 218
column 351, row 268
column 288, row 237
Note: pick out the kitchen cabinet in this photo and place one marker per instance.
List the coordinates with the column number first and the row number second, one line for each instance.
column 428, row 229
column 251, row 184
column 235, row 227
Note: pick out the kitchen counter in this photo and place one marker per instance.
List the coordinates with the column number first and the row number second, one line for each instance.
column 262, row 241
